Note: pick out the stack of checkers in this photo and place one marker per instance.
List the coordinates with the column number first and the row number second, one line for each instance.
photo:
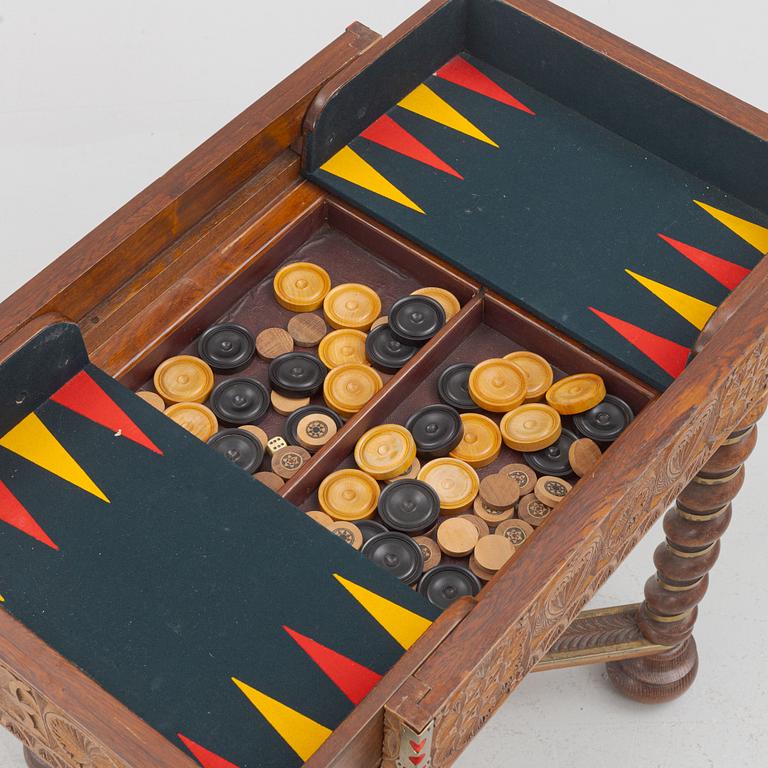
column 316, row 376
column 445, row 500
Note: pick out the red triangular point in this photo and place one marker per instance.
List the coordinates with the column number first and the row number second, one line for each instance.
column 85, row 397
column 386, row 132
column 354, row 680
column 668, row 355
column 460, row 72
column 13, row 512
column 204, row 756
column 725, row 272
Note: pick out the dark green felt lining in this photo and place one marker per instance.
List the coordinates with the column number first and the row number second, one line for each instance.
column 574, row 196
column 184, row 580
column 607, row 93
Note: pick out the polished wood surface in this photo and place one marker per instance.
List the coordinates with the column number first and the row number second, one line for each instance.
column 151, row 277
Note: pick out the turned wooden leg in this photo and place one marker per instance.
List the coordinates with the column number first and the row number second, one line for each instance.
column 33, row 761
column 693, row 528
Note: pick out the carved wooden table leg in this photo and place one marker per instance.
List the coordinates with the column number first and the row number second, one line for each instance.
column 693, row 528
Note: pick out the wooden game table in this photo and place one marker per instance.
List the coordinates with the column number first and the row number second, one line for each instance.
column 203, row 242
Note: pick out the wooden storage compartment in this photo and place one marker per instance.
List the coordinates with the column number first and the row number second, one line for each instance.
column 487, row 327
column 350, row 249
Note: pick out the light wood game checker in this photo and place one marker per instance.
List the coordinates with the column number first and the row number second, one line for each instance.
column 581, row 200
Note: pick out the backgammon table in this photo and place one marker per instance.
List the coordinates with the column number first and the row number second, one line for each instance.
column 580, row 199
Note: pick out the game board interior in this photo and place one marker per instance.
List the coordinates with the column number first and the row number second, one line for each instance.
column 552, row 176
column 355, row 370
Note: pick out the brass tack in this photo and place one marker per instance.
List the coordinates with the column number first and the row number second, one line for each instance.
column 701, row 518
column 698, row 553
column 677, row 587
column 668, row 619
column 716, row 480
column 737, row 437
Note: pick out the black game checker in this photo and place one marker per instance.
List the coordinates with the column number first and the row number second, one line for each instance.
column 240, row 447
column 445, row 584
column 397, row 553
column 606, row 421
column 240, row 400
column 297, row 374
column 227, row 347
column 554, row 459
column 386, row 351
column 453, row 387
column 436, row 429
column 409, row 506
column 416, row 319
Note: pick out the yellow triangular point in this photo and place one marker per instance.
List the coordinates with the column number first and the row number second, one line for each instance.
column 694, row 310
column 2, row 599
column 754, row 234
column 348, row 165
column 404, row 625
column 32, row 440
column 303, row 735
column 425, row 102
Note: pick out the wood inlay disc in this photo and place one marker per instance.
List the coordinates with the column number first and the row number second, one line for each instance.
column 289, row 460
column 479, row 571
column 457, row 536
column 551, row 490
column 533, row 511
column 314, row 430
column 429, row 550
column 286, row 405
column 351, row 305
column 523, row 474
column 195, row 418
column 342, row 347
column 517, row 531
column 443, row 297
column 257, row 432
column 481, row 443
column 531, row 427
column 410, row 474
column 273, row 342
column 497, row 385
column 583, row 455
column 491, row 516
column 307, row 329
column 479, row 523
column 499, row 491
column 383, row 320
column 492, row 551
column 537, row 371
column 348, row 532
column 184, row 379
column 320, row 517
column 455, row 481
column 153, row 399
column 349, row 387
column 577, row 393
column 301, row 286
column 349, row 494
column 270, row 479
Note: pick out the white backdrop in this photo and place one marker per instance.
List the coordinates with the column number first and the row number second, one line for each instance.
column 97, row 99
